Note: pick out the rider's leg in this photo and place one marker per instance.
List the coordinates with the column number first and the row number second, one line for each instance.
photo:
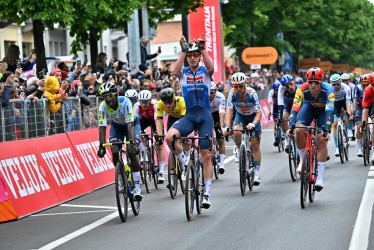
column 161, row 157
column 221, row 144
column 255, row 144
column 208, row 169
column 285, row 125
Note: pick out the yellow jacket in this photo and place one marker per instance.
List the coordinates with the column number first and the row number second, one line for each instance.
column 51, row 88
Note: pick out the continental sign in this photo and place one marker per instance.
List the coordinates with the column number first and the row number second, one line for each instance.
column 308, row 63
column 260, row 55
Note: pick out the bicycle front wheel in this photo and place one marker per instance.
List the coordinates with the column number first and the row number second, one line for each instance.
column 340, row 144
column 279, row 138
column 292, row 161
column 199, row 187
column 190, row 190
column 304, row 179
column 147, row 170
column 251, row 173
column 135, row 205
column 172, row 175
column 242, row 169
column 346, row 143
column 215, row 160
column 121, row 187
column 154, row 164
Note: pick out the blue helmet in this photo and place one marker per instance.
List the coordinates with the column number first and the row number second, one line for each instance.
column 299, row 81
column 285, row 79
column 276, row 85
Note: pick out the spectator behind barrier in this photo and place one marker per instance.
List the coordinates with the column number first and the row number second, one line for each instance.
column 54, row 100
column 13, row 60
column 6, row 82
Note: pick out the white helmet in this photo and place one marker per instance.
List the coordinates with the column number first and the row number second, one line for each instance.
column 344, row 76
column 213, row 86
column 238, row 78
column 335, row 78
column 131, row 93
column 145, row 95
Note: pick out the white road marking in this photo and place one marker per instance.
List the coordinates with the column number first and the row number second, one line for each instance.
column 228, row 159
column 82, row 212
column 360, row 235
column 88, row 206
column 372, row 168
column 371, row 173
column 79, row 232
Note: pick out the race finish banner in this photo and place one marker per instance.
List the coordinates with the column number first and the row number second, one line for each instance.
column 207, row 21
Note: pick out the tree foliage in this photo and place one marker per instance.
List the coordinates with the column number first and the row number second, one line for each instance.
column 339, row 31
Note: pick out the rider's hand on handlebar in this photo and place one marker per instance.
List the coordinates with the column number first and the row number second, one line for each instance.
column 101, row 152
column 250, row 126
column 289, row 134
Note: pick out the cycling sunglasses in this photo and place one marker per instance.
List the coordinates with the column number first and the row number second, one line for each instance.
column 109, row 96
column 310, row 82
column 336, row 84
column 193, row 54
column 144, row 101
column 236, row 86
column 168, row 102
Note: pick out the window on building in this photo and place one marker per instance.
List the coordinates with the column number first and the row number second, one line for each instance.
column 63, row 49
column 57, row 49
column 26, row 50
column 115, row 52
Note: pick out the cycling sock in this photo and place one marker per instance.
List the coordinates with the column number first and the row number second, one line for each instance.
column 359, row 143
column 207, row 184
column 336, row 141
column 257, row 167
column 141, row 146
column 321, row 169
column 136, row 176
column 182, row 158
column 288, row 140
column 161, row 165
column 301, row 153
column 221, row 159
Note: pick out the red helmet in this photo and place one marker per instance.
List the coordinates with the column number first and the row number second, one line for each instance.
column 365, row 79
column 371, row 78
column 314, row 74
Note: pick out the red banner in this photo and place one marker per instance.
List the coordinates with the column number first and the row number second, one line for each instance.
column 207, row 20
column 265, row 112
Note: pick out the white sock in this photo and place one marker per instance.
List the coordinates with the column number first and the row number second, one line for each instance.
column 182, row 158
column 221, row 159
column 207, row 183
column 321, row 169
column 287, row 140
column 301, row 153
column 136, row 176
column 161, row 165
column 257, row 171
column 359, row 143
column 141, row 147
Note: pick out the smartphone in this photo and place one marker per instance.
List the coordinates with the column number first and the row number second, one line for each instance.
column 41, row 75
column 32, row 51
column 18, row 63
column 79, row 64
column 159, row 49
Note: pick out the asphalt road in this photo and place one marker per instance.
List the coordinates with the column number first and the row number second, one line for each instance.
column 269, row 217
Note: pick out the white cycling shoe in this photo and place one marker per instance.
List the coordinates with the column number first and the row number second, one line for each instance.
column 206, row 202
column 359, row 152
column 256, row 180
column 337, row 152
column 138, row 196
column 299, row 167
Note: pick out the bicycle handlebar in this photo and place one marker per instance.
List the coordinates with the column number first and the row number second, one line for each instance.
column 117, row 143
column 309, row 129
column 245, row 130
column 192, row 138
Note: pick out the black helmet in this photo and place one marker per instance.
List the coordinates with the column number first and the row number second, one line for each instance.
column 167, row 95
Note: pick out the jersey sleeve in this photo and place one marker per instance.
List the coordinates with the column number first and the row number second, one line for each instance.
column 256, row 101
column 368, row 97
column 355, row 93
column 348, row 95
column 182, row 105
column 281, row 92
column 330, row 102
column 222, row 105
column 270, row 95
column 129, row 112
column 160, row 110
column 102, row 115
column 297, row 102
column 229, row 102
column 154, row 109
column 136, row 109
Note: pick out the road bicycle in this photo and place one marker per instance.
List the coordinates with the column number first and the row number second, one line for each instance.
column 280, row 136
column 366, row 142
column 194, row 187
column 175, row 175
column 309, row 170
column 246, row 161
column 124, row 182
column 293, row 158
column 149, row 163
column 343, row 139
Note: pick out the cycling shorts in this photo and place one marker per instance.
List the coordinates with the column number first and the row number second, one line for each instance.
column 217, row 125
column 275, row 112
column 118, row 132
column 145, row 123
column 307, row 113
column 287, row 106
column 338, row 106
column 196, row 117
column 243, row 120
column 171, row 121
column 358, row 118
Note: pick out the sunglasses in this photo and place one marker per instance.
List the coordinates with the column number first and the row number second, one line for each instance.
column 144, row 101
column 314, row 82
column 109, row 96
column 194, row 54
column 336, row 84
column 237, row 86
column 168, row 102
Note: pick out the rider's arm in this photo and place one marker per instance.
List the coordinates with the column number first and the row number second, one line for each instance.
column 297, row 102
column 366, row 103
column 256, row 103
column 355, row 100
column 330, row 102
column 182, row 104
column 102, row 122
column 230, row 106
column 160, row 118
column 131, row 130
column 281, row 91
column 179, row 64
column 207, row 62
column 270, row 100
column 222, row 111
column 348, row 100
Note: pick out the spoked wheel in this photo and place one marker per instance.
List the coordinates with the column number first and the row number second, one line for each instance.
column 279, row 138
column 154, row 164
column 242, row 169
column 121, row 187
column 215, row 160
column 366, row 150
column 135, row 205
column 304, row 179
column 172, row 175
column 251, row 173
column 147, row 170
column 181, row 182
column 292, row 161
column 190, row 191
column 141, row 166
column 346, row 143
column 199, row 188
column 340, row 144
column 312, row 184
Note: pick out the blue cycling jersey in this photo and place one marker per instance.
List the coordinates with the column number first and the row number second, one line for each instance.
column 358, row 94
column 195, row 87
column 246, row 104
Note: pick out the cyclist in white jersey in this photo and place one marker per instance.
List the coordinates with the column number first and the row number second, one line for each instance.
column 345, row 79
column 195, row 82
column 217, row 107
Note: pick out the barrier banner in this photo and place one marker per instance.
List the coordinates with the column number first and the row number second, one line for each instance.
column 6, row 209
column 265, row 112
column 206, row 21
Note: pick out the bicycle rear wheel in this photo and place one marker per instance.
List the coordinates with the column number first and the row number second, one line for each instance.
column 304, row 179
column 155, row 165
column 312, row 178
column 135, row 205
column 199, row 187
column 172, row 175
column 121, row 187
column 346, row 144
column 340, row 143
column 242, row 169
column 190, row 190
column 292, row 161
column 279, row 138
column 179, row 175
column 365, row 146
column 147, row 170
column 215, row 160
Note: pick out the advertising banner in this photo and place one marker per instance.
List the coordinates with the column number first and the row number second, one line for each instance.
column 265, row 112
column 206, row 21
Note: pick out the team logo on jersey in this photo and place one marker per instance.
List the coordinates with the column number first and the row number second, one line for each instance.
column 195, row 80
column 331, row 97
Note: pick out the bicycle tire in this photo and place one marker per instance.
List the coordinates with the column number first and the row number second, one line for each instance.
column 190, row 191
column 154, row 166
column 121, row 187
column 340, row 144
column 346, row 144
column 182, row 183
column 135, row 205
column 242, row 169
column 304, row 179
column 146, row 169
column 366, row 152
column 215, row 159
column 312, row 182
column 173, row 185
column 279, row 138
column 199, row 188
column 141, row 167
column 251, row 174
column 292, row 161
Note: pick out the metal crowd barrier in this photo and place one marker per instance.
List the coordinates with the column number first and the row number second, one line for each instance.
column 23, row 119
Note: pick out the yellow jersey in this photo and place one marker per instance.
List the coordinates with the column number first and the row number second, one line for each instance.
column 178, row 111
